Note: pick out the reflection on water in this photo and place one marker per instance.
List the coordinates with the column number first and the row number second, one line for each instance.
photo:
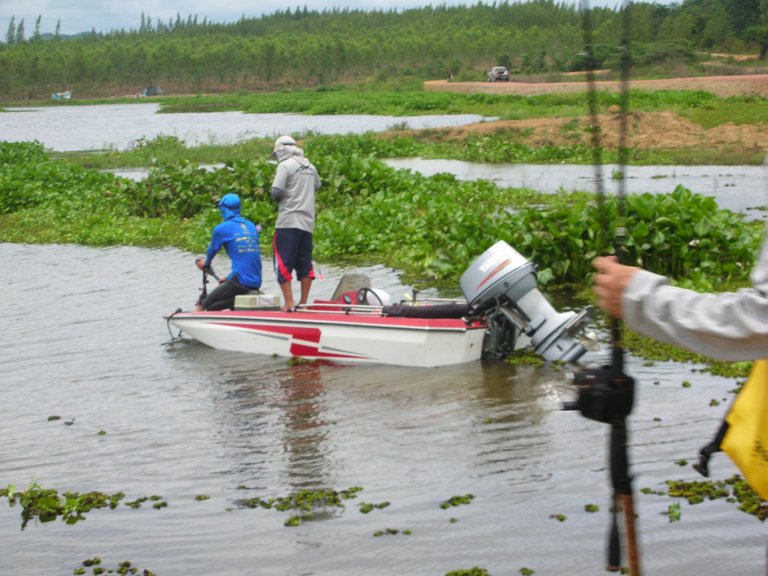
column 184, row 420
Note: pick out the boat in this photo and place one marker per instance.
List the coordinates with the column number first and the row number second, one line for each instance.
column 502, row 312
column 66, row 95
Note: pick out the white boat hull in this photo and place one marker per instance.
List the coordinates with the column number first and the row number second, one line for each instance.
column 365, row 338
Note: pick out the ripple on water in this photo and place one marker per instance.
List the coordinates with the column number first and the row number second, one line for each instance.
column 182, row 420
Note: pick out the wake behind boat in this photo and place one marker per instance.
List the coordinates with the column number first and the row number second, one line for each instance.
column 503, row 311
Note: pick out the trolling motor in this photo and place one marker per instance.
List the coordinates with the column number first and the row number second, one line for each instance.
column 501, row 284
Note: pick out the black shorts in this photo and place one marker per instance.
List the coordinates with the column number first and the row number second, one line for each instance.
column 292, row 249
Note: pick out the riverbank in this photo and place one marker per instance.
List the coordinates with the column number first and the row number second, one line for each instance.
column 678, row 132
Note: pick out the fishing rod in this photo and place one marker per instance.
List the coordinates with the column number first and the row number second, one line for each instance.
column 207, row 271
column 606, row 394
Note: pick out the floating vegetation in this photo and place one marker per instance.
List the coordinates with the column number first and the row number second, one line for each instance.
column 307, row 502
column 652, row 491
column 201, row 497
column 734, row 489
column 96, row 568
column 53, row 418
column 591, row 508
column 681, row 462
column 366, row 507
column 526, row 571
column 559, row 517
column 157, row 500
column 686, row 384
column 673, row 512
column 525, row 358
column 474, row 571
column 391, row 532
column 457, row 501
column 46, row 505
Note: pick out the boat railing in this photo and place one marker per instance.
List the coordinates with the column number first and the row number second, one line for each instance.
column 341, row 308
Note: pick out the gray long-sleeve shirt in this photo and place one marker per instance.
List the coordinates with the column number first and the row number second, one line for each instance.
column 726, row 326
column 294, row 186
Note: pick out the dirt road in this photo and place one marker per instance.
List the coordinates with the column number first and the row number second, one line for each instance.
column 724, row 86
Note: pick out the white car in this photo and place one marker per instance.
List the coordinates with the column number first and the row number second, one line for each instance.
column 498, row 74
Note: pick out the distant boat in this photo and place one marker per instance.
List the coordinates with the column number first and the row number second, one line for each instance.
column 152, row 91
column 62, row 95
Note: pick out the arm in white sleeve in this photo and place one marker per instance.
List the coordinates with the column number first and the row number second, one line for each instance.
column 726, row 326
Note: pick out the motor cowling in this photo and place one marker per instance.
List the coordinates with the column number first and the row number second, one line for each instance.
column 501, row 283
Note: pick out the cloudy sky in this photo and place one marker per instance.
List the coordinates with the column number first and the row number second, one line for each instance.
column 105, row 15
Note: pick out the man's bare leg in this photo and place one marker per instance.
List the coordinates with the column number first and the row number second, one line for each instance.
column 306, row 284
column 285, row 287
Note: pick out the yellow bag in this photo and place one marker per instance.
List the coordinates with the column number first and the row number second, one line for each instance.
column 746, row 440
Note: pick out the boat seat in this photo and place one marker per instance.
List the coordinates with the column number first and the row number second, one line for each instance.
column 256, row 299
column 351, row 282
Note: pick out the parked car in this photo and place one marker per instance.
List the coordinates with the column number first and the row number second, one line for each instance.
column 498, row 74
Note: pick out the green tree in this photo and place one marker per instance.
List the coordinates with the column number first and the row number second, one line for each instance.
column 10, row 35
column 36, row 36
column 759, row 35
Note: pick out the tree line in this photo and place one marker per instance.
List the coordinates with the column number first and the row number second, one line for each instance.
column 302, row 47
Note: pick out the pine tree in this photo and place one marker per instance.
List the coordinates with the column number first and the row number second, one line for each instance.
column 10, row 36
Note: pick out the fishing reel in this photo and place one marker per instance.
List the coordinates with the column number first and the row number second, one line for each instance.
column 605, row 394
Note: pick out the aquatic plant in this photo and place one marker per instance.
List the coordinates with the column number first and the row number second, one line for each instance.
column 454, row 501
column 367, row 507
column 430, row 227
column 307, row 502
column 474, row 571
column 46, row 505
column 734, row 489
column 97, row 568
column 673, row 512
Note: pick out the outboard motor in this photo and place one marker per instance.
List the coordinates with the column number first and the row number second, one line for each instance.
column 501, row 283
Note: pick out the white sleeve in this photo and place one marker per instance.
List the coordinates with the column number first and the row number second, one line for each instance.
column 726, row 326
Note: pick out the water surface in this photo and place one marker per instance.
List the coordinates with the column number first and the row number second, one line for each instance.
column 120, row 126
column 736, row 188
column 83, row 337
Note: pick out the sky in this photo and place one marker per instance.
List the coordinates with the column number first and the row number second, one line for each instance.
column 105, row 15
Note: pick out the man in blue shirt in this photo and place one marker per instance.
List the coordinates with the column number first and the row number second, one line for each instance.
column 240, row 238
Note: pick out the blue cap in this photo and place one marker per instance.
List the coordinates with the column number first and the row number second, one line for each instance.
column 229, row 201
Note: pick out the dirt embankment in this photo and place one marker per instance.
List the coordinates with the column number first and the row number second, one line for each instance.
column 647, row 130
column 724, row 86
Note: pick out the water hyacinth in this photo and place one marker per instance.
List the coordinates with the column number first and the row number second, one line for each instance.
column 428, row 226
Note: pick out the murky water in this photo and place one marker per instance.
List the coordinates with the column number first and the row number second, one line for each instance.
column 737, row 188
column 83, row 337
column 119, row 126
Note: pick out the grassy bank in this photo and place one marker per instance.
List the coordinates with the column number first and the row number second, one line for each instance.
column 490, row 144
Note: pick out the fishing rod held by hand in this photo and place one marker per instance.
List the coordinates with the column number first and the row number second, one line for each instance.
column 207, row 271
column 606, row 394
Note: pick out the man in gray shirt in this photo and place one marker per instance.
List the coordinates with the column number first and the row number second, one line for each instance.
column 730, row 326
column 293, row 188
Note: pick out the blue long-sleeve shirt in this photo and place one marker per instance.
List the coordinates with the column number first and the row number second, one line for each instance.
column 240, row 239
